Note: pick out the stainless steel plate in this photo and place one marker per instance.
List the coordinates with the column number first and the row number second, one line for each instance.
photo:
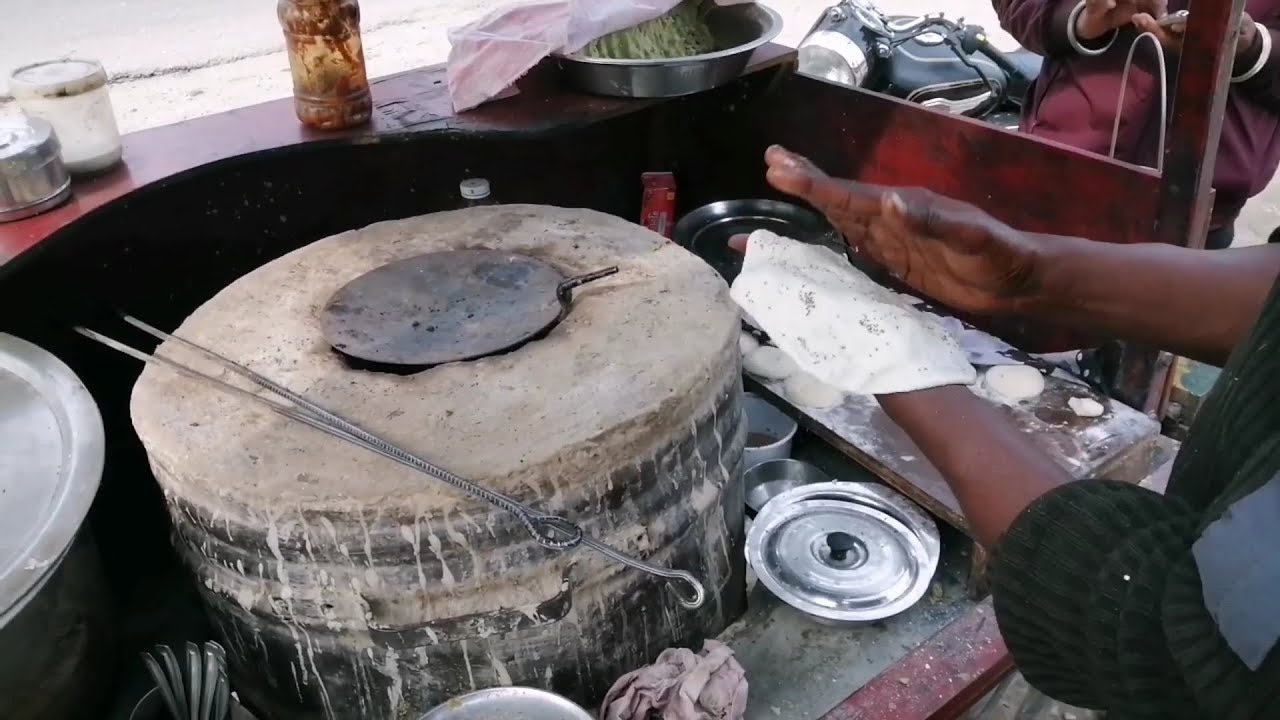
column 508, row 703
column 844, row 552
column 51, row 456
column 738, row 29
column 706, row 231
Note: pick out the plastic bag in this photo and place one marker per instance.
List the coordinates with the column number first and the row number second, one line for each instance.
column 489, row 55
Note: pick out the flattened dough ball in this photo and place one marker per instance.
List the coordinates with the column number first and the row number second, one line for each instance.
column 1014, row 383
column 747, row 344
column 1086, row 407
column 770, row 363
column 807, row 391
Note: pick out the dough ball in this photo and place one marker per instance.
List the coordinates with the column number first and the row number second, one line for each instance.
column 1014, row 383
column 747, row 344
column 1086, row 407
column 807, row 391
column 770, row 363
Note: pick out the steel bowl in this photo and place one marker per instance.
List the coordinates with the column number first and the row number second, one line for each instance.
column 770, row 479
column 739, row 29
column 765, row 420
column 508, row 702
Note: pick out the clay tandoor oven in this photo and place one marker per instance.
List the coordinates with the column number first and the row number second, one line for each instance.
column 365, row 589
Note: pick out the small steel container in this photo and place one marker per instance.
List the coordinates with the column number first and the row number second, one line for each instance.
column 771, row 478
column 738, row 29
column 33, row 178
column 508, row 702
column 769, row 432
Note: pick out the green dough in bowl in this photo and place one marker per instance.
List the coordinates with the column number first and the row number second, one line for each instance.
column 682, row 32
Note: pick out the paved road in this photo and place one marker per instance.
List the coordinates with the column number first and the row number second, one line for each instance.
column 177, row 59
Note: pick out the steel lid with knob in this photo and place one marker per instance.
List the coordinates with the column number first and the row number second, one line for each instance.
column 32, row 175
column 844, row 552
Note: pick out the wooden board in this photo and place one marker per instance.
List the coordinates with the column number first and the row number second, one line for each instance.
column 861, row 430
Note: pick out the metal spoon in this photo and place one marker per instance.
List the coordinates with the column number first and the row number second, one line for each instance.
column 222, row 690
column 209, row 686
column 171, row 666
column 162, row 685
column 222, row 701
column 195, row 675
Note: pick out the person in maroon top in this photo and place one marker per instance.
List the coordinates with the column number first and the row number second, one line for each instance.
column 1075, row 98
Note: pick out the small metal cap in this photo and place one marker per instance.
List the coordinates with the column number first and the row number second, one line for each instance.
column 844, row 552
column 474, row 189
column 26, row 142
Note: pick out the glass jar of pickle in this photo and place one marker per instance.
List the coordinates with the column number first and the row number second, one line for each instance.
column 330, row 86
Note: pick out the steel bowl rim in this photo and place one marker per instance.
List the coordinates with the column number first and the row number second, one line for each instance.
column 562, row 702
column 770, row 32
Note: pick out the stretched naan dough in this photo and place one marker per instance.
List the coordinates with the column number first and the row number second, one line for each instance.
column 1014, row 383
column 839, row 325
column 747, row 344
column 769, row 363
column 807, row 391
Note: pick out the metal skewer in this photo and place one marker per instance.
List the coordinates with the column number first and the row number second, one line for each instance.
column 550, row 531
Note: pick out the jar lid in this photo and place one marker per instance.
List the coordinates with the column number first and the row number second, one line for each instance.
column 508, row 702
column 26, row 142
column 474, row 188
column 57, row 78
column 50, row 465
column 844, row 551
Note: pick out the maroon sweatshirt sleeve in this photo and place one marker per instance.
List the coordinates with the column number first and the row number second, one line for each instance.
column 1263, row 88
column 1039, row 25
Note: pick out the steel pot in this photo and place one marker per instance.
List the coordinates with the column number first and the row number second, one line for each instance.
column 33, row 178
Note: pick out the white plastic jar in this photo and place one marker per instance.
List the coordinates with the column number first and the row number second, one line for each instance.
column 71, row 95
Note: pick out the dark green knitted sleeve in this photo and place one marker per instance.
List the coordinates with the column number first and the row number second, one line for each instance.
column 1078, row 583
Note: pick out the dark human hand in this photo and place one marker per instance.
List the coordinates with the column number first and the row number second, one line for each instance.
column 949, row 250
column 1100, row 17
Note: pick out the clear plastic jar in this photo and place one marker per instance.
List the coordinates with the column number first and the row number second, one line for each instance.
column 330, row 86
column 71, row 95
column 475, row 192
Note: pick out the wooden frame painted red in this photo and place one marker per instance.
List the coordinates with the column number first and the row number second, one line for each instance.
column 924, row 685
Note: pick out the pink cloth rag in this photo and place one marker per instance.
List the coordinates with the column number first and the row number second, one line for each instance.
column 681, row 685
column 488, row 56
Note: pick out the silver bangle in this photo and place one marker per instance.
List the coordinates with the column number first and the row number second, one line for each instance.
column 1075, row 41
column 1263, row 56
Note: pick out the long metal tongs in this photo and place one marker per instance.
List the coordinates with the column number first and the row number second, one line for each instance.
column 550, row 531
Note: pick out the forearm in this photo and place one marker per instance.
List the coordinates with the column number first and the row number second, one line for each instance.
column 1256, row 72
column 1196, row 303
column 1042, row 26
column 993, row 469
